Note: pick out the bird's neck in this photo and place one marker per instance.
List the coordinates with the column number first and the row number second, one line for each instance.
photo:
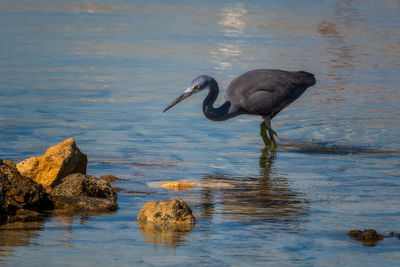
column 216, row 114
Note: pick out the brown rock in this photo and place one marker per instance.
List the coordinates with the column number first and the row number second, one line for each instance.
column 58, row 162
column 23, row 215
column 82, row 193
column 171, row 213
column 369, row 237
column 20, row 193
column 109, row 178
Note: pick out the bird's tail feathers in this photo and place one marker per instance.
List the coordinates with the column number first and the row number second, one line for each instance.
column 307, row 77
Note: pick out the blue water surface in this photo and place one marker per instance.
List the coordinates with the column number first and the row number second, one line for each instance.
column 102, row 72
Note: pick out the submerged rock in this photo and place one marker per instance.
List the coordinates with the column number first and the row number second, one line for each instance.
column 169, row 213
column 79, row 192
column 178, row 185
column 23, row 215
column 20, row 197
column 189, row 184
column 394, row 234
column 369, row 237
column 58, row 162
column 109, row 178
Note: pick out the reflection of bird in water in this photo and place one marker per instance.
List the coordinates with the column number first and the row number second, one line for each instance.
column 267, row 160
column 263, row 92
column 266, row 196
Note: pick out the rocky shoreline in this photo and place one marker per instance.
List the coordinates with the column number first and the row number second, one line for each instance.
column 35, row 187
column 57, row 182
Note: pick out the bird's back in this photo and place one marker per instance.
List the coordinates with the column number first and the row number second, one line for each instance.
column 265, row 92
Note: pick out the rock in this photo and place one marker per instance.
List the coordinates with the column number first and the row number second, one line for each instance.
column 80, row 193
column 169, row 213
column 369, row 237
column 395, row 234
column 18, row 192
column 58, row 162
column 109, row 178
column 178, row 185
column 165, row 222
column 23, row 215
column 189, row 184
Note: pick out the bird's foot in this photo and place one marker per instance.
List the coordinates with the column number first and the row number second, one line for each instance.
column 267, row 135
column 271, row 136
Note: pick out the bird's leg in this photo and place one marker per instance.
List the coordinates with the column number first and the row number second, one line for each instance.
column 271, row 133
column 263, row 133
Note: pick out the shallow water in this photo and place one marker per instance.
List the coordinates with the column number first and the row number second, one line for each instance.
column 102, row 71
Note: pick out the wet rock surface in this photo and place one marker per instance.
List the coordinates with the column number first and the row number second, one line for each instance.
column 21, row 199
column 79, row 192
column 369, row 237
column 167, row 213
column 58, row 162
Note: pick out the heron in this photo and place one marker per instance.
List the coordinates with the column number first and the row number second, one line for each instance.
column 263, row 92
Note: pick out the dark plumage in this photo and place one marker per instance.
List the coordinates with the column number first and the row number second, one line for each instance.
column 263, row 92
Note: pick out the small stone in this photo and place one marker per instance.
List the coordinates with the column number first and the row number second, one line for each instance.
column 109, row 178
column 369, row 237
column 79, row 192
column 23, row 215
column 58, row 162
column 174, row 212
column 394, row 234
column 178, row 185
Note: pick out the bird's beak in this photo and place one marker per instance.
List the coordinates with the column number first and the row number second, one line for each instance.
column 186, row 94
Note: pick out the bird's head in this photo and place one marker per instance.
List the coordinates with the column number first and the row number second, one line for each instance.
column 198, row 84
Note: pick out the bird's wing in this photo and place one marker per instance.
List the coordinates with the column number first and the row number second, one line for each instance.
column 266, row 92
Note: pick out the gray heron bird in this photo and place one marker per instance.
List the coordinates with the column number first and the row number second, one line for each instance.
column 263, row 92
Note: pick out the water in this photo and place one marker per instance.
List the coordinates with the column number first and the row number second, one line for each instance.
column 102, row 71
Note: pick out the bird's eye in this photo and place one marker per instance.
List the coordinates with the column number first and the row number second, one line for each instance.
column 197, row 86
